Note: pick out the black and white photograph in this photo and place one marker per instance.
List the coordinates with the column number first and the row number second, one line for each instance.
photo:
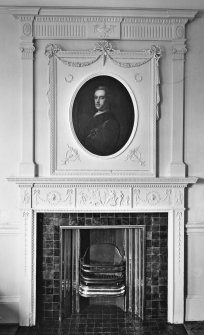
column 102, row 167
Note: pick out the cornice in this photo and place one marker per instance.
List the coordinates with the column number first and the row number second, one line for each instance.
column 104, row 22
column 21, row 11
column 104, row 180
column 100, row 11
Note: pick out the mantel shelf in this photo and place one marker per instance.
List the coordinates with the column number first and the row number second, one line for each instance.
column 103, row 180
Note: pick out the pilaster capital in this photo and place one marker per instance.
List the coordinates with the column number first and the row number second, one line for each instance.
column 27, row 50
column 178, row 51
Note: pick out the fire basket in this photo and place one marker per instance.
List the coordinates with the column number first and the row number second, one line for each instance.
column 102, row 271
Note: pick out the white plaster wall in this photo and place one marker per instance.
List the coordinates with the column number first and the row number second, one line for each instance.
column 10, row 144
column 10, row 99
column 194, row 157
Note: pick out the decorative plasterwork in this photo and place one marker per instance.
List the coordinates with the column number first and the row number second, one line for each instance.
column 140, row 158
column 118, row 24
column 117, row 197
column 104, row 50
column 71, row 155
column 53, row 197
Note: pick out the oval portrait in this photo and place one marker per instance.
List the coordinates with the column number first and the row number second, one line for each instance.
column 103, row 115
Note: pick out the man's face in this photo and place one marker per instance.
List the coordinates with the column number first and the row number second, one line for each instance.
column 100, row 100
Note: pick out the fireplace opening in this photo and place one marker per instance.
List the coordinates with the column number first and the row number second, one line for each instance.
column 58, row 273
column 102, row 265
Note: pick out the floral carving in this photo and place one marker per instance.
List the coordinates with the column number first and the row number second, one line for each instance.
column 69, row 78
column 135, row 155
column 153, row 198
column 105, row 51
column 27, row 29
column 26, row 197
column 51, row 50
column 180, row 31
column 103, row 30
column 138, row 77
column 179, row 197
column 71, row 155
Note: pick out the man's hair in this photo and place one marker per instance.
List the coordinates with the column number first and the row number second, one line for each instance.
column 107, row 91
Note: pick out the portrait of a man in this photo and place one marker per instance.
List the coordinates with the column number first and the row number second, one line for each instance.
column 103, row 115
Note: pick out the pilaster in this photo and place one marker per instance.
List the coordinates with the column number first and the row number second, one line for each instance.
column 176, row 266
column 28, row 261
column 27, row 48
column 178, row 167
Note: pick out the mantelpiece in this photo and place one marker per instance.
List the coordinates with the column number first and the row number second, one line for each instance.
column 85, row 195
column 116, row 192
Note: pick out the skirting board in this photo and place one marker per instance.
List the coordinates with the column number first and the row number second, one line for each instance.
column 9, row 309
column 194, row 308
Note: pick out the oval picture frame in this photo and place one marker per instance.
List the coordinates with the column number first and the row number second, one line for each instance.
column 104, row 133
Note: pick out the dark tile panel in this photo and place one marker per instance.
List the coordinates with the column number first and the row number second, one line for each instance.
column 49, row 250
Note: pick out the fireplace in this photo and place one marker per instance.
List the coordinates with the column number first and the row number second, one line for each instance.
column 75, row 202
column 141, row 237
column 140, row 178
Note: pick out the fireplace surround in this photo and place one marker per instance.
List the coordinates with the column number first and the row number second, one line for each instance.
column 160, row 196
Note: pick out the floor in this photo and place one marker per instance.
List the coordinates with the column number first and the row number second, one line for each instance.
column 106, row 321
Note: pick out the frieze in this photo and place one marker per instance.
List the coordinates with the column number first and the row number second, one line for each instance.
column 107, row 198
column 104, row 30
column 152, row 197
column 25, row 196
column 53, row 198
column 179, row 197
column 115, row 27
